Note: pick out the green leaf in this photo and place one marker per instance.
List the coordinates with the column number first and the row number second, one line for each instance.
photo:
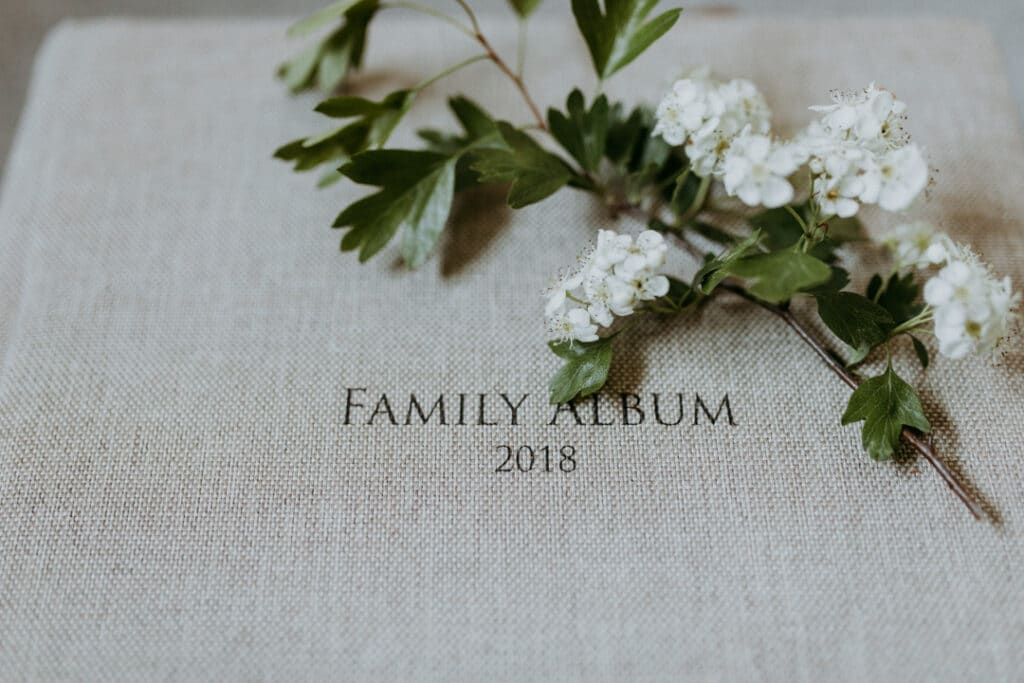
column 886, row 404
column 534, row 172
column 647, row 162
column 899, row 296
column 685, row 191
column 417, row 187
column 921, row 350
column 618, row 35
column 415, row 197
column 305, row 158
column 329, row 178
column 372, row 126
column 524, row 8
column 855, row 319
column 628, row 135
column 299, row 72
column 782, row 230
column 585, row 370
column 477, row 127
column 326, row 63
column 476, row 122
column 777, row 276
column 319, row 19
column 479, row 131
column 836, row 282
column 843, row 230
column 582, row 132
column 711, row 232
column 716, row 268
column 378, row 119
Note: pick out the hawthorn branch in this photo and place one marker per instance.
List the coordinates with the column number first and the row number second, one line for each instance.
column 512, row 75
column 911, row 436
column 914, row 438
column 515, row 78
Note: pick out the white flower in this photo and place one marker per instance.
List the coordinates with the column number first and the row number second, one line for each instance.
column 653, row 287
column 612, row 249
column 688, row 106
column 917, row 245
column 861, row 154
column 556, row 293
column 873, row 118
column 757, row 170
column 899, row 176
column 601, row 314
column 572, row 325
column 623, row 296
column 654, row 248
column 647, row 252
column 609, row 281
column 705, row 116
column 597, row 292
column 839, row 179
column 973, row 310
column 706, row 150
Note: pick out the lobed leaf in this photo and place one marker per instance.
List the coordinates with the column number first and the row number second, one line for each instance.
column 628, row 136
column 320, row 18
column 479, row 131
column 581, row 132
column 373, row 124
column 534, row 173
column 782, row 230
column 836, row 282
column 619, row 34
column 416, row 187
column 775, row 277
column 843, row 230
column 415, row 197
column 326, row 63
column 886, row 404
column 858, row 321
column 899, row 295
column 585, row 370
column 716, row 268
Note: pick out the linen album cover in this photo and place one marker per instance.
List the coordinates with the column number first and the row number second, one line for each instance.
column 228, row 451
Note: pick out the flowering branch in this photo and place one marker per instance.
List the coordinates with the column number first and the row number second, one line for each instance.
column 705, row 139
column 925, row 448
column 514, row 76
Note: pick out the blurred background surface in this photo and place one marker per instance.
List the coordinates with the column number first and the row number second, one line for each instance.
column 24, row 23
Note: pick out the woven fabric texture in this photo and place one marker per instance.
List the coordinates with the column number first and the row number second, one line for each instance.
column 181, row 499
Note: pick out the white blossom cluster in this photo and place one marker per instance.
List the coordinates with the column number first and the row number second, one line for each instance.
column 973, row 309
column 757, row 169
column 609, row 280
column 917, row 245
column 858, row 152
column 705, row 116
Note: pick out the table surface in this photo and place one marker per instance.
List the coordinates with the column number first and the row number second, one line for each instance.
column 23, row 25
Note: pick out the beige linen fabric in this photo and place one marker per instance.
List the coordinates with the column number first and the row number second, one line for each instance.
column 180, row 498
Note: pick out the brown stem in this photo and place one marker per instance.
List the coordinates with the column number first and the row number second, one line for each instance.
column 505, row 69
column 514, row 77
column 911, row 436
